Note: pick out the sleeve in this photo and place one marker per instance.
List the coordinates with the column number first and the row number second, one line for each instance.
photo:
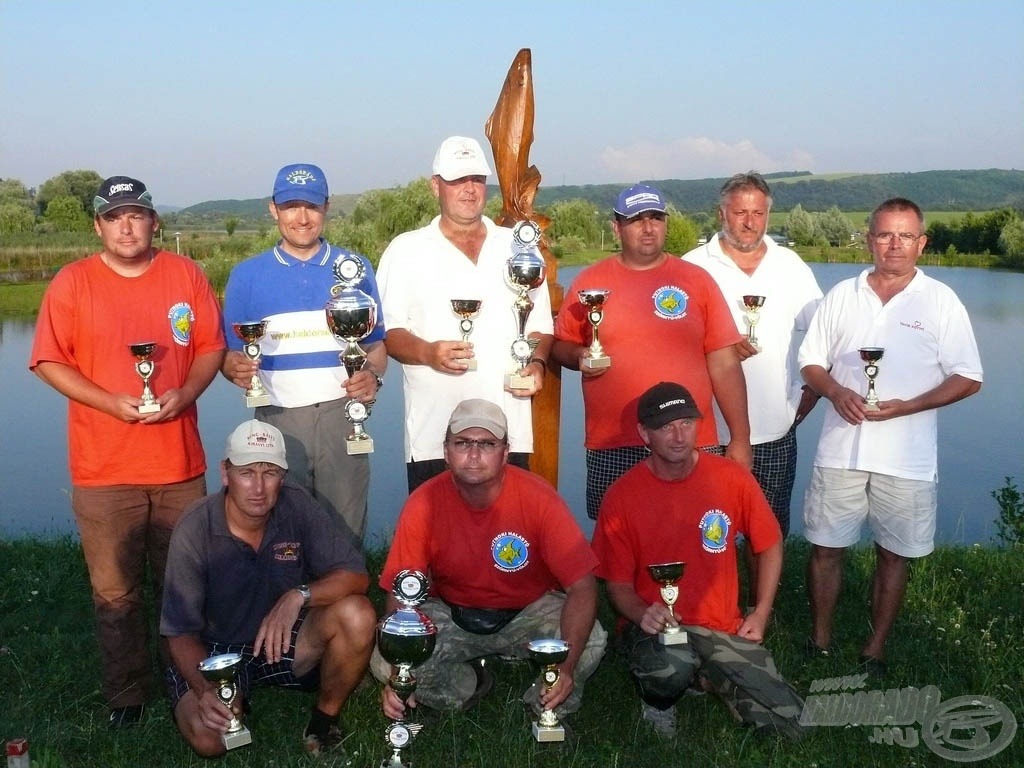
column 761, row 527
column 616, row 559
column 720, row 328
column 410, row 547
column 814, row 350
column 210, row 335
column 235, row 294
column 184, row 584
column 958, row 346
column 566, row 551
column 54, row 326
column 391, row 283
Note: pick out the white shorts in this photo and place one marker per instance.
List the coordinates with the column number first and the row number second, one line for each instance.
column 901, row 512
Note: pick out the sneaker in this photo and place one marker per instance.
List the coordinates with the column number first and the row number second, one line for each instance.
column 317, row 744
column 663, row 721
column 484, row 683
column 125, row 717
column 814, row 651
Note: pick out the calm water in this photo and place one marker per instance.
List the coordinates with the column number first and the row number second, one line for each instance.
column 980, row 438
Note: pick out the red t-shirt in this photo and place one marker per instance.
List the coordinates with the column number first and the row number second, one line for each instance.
column 506, row 556
column 645, row 520
column 88, row 318
column 659, row 325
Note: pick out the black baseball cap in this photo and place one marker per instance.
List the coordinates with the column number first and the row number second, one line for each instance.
column 119, row 191
column 665, row 402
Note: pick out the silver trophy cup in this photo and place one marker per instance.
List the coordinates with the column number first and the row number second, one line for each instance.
column 871, row 356
column 467, row 309
column 250, row 333
column 222, row 671
column 752, row 308
column 525, row 271
column 548, row 653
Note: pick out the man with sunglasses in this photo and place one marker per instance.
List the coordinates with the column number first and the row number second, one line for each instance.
column 519, row 569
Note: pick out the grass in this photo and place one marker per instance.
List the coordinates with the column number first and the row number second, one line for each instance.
column 961, row 631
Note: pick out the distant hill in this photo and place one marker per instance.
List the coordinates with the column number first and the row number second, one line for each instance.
column 980, row 190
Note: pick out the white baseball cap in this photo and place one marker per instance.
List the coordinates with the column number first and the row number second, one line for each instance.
column 459, row 156
column 255, row 441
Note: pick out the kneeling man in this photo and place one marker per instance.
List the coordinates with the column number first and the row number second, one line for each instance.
column 262, row 570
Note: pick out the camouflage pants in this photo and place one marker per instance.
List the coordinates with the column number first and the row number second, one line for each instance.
column 447, row 680
column 740, row 672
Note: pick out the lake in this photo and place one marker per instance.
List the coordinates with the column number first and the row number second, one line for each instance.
column 980, row 441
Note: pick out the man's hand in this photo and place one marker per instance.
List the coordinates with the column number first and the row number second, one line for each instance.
column 740, row 452
column 450, row 356
column 533, row 371
column 657, row 618
column 752, row 627
column 552, row 697
column 392, row 705
column 362, row 386
column 275, row 635
column 238, row 369
column 214, row 713
column 848, row 404
column 745, row 349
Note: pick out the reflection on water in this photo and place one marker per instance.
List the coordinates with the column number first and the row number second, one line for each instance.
column 979, row 438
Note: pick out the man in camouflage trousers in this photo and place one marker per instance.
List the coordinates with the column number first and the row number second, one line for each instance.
column 680, row 505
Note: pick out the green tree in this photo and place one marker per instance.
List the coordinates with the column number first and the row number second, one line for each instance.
column 78, row 184
column 14, row 192
column 681, row 232
column 834, row 226
column 800, row 226
column 15, row 218
column 575, row 219
column 230, row 225
column 65, row 214
column 1011, row 241
column 382, row 214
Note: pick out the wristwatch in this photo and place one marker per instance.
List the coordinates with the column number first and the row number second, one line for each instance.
column 303, row 589
column 380, row 381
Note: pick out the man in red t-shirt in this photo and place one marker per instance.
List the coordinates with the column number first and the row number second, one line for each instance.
column 683, row 505
column 133, row 470
column 507, row 564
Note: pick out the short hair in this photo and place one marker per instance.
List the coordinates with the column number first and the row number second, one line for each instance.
column 896, row 204
column 741, row 182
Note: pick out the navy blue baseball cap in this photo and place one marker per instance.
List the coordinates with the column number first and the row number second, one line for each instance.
column 119, row 191
column 301, row 181
column 638, row 199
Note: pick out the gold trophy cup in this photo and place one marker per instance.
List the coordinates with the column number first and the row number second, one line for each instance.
column 752, row 307
column 251, row 333
column 467, row 309
column 668, row 575
column 222, row 671
column 145, row 367
column 593, row 299
column 549, row 653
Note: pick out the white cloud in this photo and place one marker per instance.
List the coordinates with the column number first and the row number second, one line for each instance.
column 695, row 158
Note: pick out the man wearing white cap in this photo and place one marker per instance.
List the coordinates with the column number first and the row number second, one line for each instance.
column 461, row 254
column 262, row 570
column 520, row 569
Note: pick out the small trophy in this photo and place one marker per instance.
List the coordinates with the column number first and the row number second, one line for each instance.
column 549, row 653
column 871, row 356
column 752, row 306
column 352, row 316
column 467, row 309
column 525, row 270
column 145, row 368
column 668, row 576
column 222, row 670
column 251, row 333
column 405, row 638
column 593, row 299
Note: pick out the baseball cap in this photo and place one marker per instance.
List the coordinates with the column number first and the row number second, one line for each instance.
column 457, row 157
column 255, row 441
column 301, row 181
column 665, row 402
column 638, row 199
column 478, row 413
column 119, row 191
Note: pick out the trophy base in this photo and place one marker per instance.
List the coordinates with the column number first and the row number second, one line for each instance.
column 470, row 363
column 238, row 738
column 357, row 447
column 595, row 363
column 515, row 381
column 548, row 733
column 871, row 407
column 257, row 401
column 672, row 638
column 395, row 761
column 150, row 408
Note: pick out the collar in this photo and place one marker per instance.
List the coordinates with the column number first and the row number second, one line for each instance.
column 321, row 258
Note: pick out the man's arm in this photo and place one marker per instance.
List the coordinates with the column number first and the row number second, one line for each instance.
column 74, row 385
column 578, row 616
column 955, row 387
column 768, row 565
column 848, row 404
column 443, row 356
column 569, row 354
column 200, row 374
column 187, row 651
column 651, row 618
column 362, row 385
column 275, row 633
column 730, row 389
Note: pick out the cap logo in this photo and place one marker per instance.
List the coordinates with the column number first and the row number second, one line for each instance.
column 670, row 403
column 301, row 176
column 642, row 197
column 117, row 188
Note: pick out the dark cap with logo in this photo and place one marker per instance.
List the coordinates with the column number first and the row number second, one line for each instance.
column 665, row 402
column 119, row 191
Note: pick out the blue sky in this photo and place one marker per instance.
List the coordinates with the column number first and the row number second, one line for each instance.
column 206, row 100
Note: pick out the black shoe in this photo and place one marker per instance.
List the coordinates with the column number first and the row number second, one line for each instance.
column 814, row 651
column 125, row 717
column 875, row 668
column 318, row 744
column 484, row 683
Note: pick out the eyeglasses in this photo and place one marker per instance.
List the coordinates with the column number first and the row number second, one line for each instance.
column 887, row 237
column 485, row 446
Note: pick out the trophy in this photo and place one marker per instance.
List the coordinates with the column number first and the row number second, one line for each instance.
column 221, row 670
column 549, row 653
column 871, row 356
column 145, row 367
column 525, row 270
column 251, row 333
column 594, row 299
column 752, row 306
column 467, row 309
column 405, row 638
column 668, row 576
column 352, row 316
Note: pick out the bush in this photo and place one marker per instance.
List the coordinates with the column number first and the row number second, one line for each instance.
column 1011, row 513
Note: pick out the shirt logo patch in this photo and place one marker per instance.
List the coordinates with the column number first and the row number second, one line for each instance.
column 714, row 531
column 287, row 551
column 181, row 317
column 511, row 552
column 670, row 302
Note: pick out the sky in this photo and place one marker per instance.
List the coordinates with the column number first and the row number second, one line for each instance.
column 206, row 100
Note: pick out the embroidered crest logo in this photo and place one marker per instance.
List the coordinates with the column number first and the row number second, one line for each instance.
column 511, row 552
column 301, row 176
column 714, row 531
column 287, row 551
column 181, row 317
column 670, row 302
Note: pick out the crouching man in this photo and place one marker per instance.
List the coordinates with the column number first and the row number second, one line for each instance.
column 262, row 570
